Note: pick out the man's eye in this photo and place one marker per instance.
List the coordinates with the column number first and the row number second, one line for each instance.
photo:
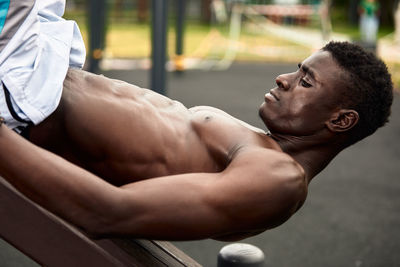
column 304, row 83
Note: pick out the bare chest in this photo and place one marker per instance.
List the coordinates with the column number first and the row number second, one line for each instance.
column 223, row 134
column 126, row 150
column 129, row 134
column 203, row 141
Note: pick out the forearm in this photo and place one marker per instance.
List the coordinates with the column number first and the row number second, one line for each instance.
column 59, row 186
column 161, row 208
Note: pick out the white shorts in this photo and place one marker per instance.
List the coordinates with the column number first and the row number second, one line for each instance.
column 37, row 46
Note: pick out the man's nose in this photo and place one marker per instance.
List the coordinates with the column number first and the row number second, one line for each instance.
column 282, row 82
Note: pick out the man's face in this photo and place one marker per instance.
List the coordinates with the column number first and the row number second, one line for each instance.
column 304, row 100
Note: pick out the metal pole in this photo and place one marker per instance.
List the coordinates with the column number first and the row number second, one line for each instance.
column 159, row 45
column 180, row 20
column 97, row 30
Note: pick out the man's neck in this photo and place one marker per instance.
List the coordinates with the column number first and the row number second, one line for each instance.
column 313, row 153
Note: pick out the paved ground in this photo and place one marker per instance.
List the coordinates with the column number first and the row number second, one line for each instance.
column 352, row 214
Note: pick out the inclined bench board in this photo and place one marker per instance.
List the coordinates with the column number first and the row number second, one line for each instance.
column 50, row 241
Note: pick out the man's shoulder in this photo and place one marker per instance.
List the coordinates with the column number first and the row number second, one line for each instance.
column 269, row 181
column 272, row 167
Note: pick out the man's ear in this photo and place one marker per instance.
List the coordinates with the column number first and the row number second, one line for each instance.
column 343, row 120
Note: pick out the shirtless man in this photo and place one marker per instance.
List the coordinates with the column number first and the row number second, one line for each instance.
column 135, row 163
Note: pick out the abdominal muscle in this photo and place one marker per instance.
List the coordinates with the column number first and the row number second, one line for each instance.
column 123, row 133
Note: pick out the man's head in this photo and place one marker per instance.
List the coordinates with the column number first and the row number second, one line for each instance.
column 368, row 90
column 341, row 89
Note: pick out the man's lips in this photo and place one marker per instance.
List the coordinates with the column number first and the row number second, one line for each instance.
column 271, row 96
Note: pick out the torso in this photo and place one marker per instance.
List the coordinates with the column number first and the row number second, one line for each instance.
column 124, row 133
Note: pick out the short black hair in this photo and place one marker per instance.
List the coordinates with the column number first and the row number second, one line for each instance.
column 368, row 87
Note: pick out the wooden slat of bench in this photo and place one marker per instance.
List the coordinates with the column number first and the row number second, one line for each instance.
column 50, row 241
column 164, row 251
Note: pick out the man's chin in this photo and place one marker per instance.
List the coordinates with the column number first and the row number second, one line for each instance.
column 263, row 117
column 269, row 123
column 262, row 112
column 261, row 109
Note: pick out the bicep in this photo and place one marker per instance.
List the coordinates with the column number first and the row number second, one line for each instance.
column 172, row 207
column 259, row 194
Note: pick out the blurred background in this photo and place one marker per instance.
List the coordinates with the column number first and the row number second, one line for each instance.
column 217, row 32
column 227, row 54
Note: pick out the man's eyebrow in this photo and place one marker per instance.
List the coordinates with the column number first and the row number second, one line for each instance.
column 307, row 70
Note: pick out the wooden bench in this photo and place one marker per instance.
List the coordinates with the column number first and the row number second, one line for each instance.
column 50, row 241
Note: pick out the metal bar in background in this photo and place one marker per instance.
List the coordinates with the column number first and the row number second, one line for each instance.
column 97, row 32
column 158, row 45
column 180, row 24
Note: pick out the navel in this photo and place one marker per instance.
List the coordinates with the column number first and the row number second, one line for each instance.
column 207, row 118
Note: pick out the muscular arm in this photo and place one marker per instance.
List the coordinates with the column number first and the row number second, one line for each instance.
column 240, row 200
